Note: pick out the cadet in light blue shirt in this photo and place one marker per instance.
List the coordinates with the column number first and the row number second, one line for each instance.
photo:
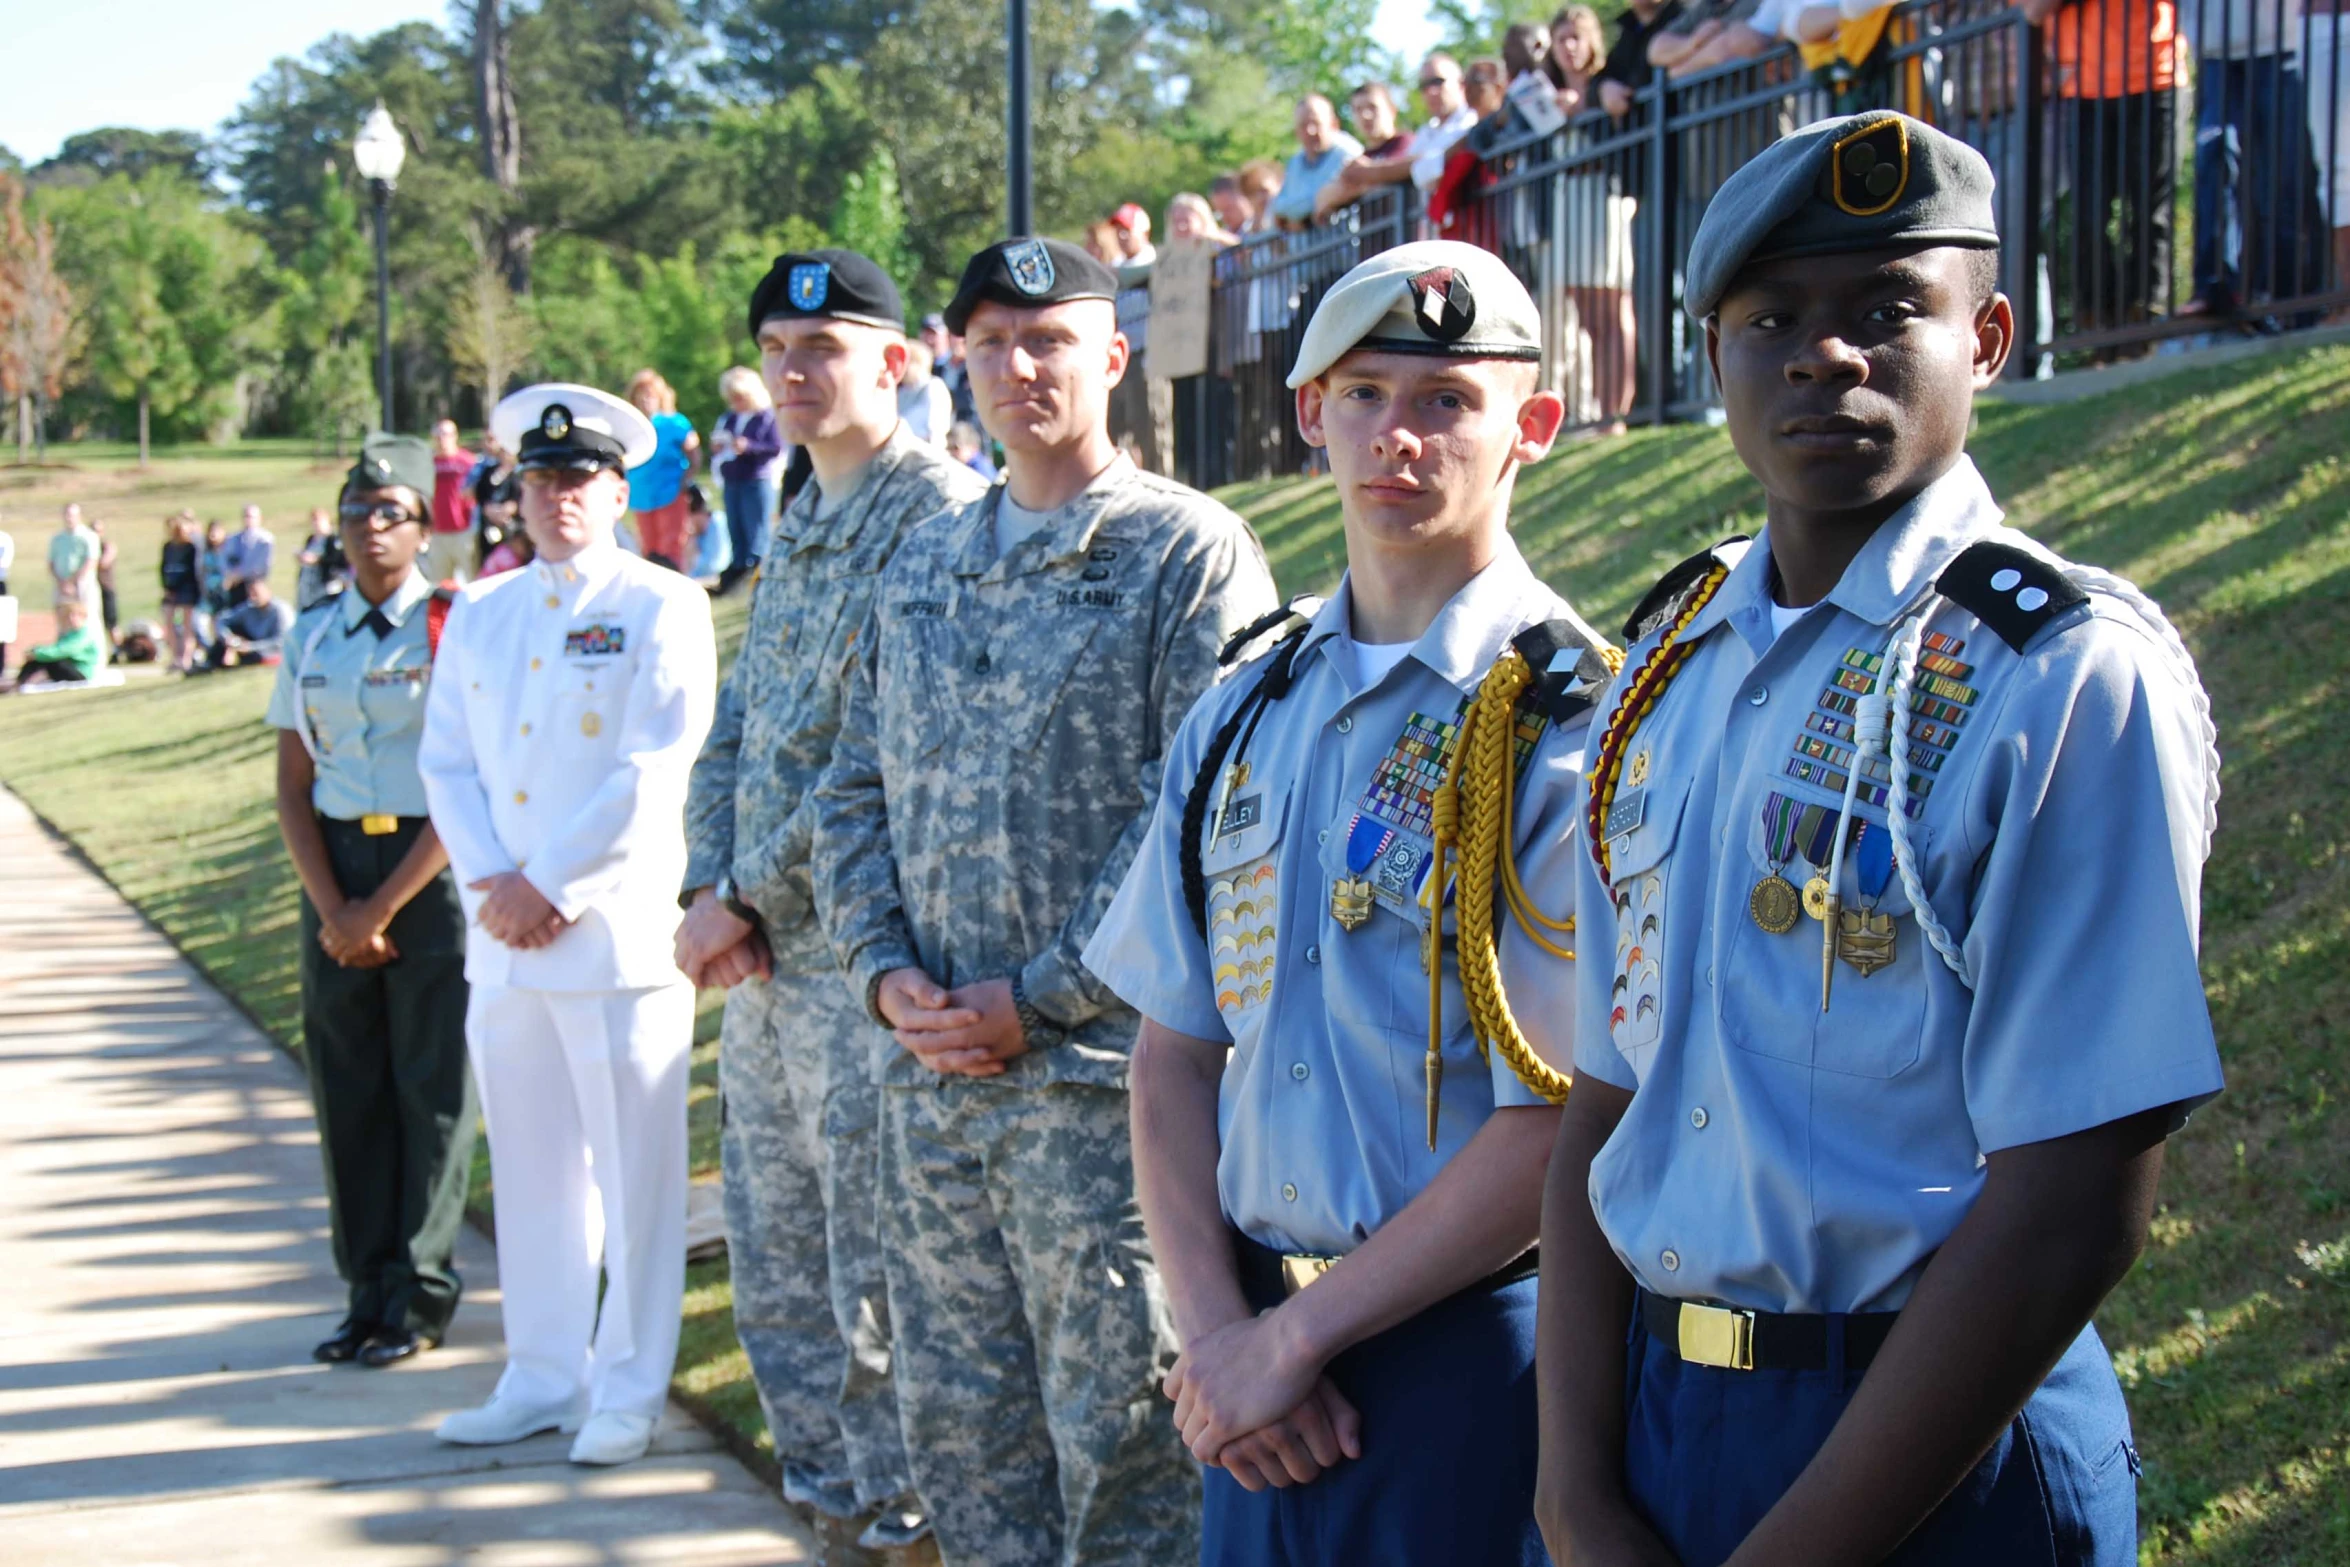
column 1297, row 1156
column 383, row 935
column 1893, row 845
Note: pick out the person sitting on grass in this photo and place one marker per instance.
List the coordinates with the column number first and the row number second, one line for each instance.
column 253, row 632
column 75, row 655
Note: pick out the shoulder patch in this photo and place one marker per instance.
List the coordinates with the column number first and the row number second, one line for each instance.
column 1656, row 604
column 436, row 617
column 1569, row 675
column 2012, row 591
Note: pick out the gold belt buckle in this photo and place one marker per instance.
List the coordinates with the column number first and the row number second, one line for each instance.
column 1298, row 1272
column 376, row 825
column 1717, row 1336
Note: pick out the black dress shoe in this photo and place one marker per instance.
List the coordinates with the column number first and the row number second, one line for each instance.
column 390, row 1345
column 347, row 1343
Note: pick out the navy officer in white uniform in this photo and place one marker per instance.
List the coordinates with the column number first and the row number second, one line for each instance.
column 569, row 702
column 1889, row 1000
column 1345, row 1226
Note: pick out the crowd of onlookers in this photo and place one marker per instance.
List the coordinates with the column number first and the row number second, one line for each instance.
column 2252, row 95
column 219, row 610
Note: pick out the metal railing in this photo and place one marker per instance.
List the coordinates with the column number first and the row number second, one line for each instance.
column 2112, row 128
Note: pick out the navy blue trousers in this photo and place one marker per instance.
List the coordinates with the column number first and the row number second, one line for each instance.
column 1447, row 1473
column 1707, row 1452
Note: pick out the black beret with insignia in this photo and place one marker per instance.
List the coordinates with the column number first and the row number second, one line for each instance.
column 388, row 460
column 1863, row 182
column 1026, row 273
column 838, row 285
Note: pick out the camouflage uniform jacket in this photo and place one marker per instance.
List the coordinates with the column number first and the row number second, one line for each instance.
column 1001, row 743
column 749, row 809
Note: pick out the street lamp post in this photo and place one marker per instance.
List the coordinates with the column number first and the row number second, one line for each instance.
column 1022, row 211
column 378, row 154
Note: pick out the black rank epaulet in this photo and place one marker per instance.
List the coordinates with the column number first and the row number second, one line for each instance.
column 1569, row 674
column 1657, row 603
column 2012, row 591
column 1289, row 619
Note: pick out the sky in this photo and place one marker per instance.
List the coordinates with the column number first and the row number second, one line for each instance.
column 163, row 65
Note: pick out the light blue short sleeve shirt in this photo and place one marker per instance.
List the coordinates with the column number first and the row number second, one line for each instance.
column 1322, row 1110
column 360, row 700
column 1789, row 1160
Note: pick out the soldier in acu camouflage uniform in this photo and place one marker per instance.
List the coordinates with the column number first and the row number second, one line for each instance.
column 999, row 753
column 795, row 1058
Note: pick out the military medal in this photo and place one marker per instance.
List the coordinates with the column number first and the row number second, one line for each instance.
column 1350, row 901
column 1773, row 904
column 1817, row 898
column 1864, row 938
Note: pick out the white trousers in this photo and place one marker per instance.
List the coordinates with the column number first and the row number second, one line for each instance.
column 584, row 1095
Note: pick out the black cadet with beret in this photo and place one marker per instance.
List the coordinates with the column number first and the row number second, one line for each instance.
column 1862, row 182
column 833, row 285
column 1025, row 274
column 388, row 460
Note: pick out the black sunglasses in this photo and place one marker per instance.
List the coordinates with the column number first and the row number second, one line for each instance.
column 390, row 513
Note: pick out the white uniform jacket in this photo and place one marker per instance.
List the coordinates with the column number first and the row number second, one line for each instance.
column 569, row 701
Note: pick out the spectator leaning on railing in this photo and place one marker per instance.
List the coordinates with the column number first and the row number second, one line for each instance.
column 1322, row 151
column 1627, row 69
column 1385, row 143
column 1706, row 34
column 1449, row 119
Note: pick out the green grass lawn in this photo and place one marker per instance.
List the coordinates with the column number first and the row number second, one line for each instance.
column 2224, row 492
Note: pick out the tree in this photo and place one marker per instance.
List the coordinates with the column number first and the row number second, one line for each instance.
column 497, row 132
column 180, row 298
column 325, row 368
column 39, row 332
column 90, row 156
column 1470, row 27
column 489, row 330
column 871, row 217
column 772, row 48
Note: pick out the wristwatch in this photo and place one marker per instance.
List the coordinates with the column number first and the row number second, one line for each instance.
column 1041, row 1030
column 732, row 902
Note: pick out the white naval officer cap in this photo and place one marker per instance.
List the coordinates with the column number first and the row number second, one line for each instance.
column 1437, row 297
column 559, row 424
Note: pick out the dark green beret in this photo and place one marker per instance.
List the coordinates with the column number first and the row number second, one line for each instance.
column 1028, row 273
column 1862, row 182
column 386, row 460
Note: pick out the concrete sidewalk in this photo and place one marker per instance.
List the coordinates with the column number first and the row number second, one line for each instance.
column 164, row 1271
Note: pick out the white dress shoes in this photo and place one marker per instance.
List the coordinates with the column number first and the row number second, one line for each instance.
column 612, row 1438
column 503, row 1420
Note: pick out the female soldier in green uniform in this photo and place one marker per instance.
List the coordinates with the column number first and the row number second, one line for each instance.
column 383, row 937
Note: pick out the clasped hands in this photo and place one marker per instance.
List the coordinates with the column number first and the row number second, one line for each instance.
column 353, row 935
column 717, row 949
column 970, row 1031
column 1252, row 1399
column 517, row 913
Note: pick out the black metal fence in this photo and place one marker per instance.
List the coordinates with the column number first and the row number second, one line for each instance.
column 2114, row 127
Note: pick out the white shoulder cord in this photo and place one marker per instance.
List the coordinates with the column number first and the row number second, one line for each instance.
column 1875, row 720
column 302, row 707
